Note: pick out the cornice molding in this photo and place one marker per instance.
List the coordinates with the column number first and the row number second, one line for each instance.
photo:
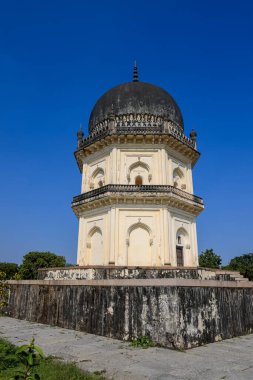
column 180, row 145
column 132, row 195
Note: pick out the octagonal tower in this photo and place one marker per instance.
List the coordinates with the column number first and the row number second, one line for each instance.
column 137, row 206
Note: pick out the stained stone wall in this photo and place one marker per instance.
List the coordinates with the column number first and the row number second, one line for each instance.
column 173, row 316
column 105, row 273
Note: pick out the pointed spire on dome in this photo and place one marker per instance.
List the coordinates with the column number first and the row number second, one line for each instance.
column 135, row 76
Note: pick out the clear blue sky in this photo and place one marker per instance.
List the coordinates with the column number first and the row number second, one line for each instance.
column 58, row 57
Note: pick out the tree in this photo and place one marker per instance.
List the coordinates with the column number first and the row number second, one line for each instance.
column 242, row 264
column 10, row 269
column 209, row 259
column 3, row 291
column 32, row 261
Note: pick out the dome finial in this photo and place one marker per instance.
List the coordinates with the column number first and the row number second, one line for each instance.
column 135, row 76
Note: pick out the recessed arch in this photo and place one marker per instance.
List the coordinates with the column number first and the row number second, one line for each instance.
column 97, row 178
column 139, row 163
column 178, row 178
column 95, row 246
column 178, row 173
column 182, row 243
column 93, row 230
column 139, row 168
column 97, row 171
column 139, row 225
column 139, row 241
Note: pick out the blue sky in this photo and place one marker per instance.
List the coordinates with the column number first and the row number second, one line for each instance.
column 58, row 57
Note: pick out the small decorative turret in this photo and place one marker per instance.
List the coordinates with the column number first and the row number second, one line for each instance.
column 80, row 135
column 135, row 76
column 193, row 136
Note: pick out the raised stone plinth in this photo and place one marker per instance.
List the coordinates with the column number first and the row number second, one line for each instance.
column 174, row 312
column 112, row 272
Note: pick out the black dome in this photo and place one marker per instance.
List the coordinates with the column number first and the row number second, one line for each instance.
column 136, row 98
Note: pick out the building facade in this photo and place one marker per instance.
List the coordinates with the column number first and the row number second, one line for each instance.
column 137, row 206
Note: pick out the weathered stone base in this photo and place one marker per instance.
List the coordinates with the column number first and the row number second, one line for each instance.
column 174, row 313
column 112, row 272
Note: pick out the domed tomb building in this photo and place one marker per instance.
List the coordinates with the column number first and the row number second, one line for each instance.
column 137, row 206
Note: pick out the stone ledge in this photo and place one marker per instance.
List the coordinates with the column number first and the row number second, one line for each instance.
column 172, row 282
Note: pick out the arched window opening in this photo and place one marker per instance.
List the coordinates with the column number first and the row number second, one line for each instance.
column 97, row 178
column 182, row 241
column 139, row 169
column 138, row 180
column 178, row 178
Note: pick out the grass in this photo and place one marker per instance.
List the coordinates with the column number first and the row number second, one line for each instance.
column 142, row 341
column 49, row 369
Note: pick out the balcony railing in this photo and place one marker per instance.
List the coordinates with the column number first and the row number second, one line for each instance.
column 135, row 128
column 165, row 189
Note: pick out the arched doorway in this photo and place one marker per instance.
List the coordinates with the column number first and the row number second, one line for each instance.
column 139, row 245
column 181, row 241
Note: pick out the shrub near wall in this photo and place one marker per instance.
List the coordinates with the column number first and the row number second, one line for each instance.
column 32, row 261
column 10, row 269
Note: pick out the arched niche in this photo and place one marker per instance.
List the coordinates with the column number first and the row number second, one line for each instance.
column 139, row 169
column 182, row 245
column 139, row 245
column 97, row 178
column 95, row 246
column 178, row 178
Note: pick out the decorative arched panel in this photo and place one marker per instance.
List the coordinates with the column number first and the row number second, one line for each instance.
column 97, row 178
column 178, row 178
column 95, row 246
column 139, row 242
column 139, row 169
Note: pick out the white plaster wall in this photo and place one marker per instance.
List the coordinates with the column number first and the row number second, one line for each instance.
column 116, row 160
column 179, row 220
column 156, row 166
column 152, row 241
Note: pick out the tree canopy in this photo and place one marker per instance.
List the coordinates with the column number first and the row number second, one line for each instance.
column 32, row 261
column 242, row 264
column 10, row 269
column 209, row 259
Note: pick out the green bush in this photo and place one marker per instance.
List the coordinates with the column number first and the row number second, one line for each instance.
column 48, row 368
column 32, row 261
column 8, row 358
column 10, row 269
column 242, row 264
column 29, row 356
column 142, row 341
column 209, row 259
column 3, row 290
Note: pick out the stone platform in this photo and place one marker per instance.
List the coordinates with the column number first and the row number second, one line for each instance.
column 112, row 272
column 176, row 307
